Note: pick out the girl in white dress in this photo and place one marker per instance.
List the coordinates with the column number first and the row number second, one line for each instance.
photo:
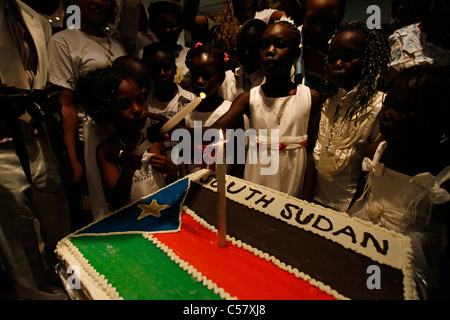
column 407, row 178
column 357, row 58
column 277, row 104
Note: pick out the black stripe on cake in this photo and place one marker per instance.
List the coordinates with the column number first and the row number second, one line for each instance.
column 330, row 263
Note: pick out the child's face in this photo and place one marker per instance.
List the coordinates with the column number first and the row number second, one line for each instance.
column 278, row 49
column 346, row 59
column 94, row 11
column 206, row 74
column 131, row 104
column 162, row 68
column 322, row 17
column 395, row 116
column 167, row 29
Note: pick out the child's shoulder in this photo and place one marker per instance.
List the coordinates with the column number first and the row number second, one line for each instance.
column 110, row 147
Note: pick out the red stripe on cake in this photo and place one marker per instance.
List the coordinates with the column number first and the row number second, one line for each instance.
column 237, row 271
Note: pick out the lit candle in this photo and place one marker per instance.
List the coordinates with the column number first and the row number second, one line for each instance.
column 221, row 195
column 172, row 122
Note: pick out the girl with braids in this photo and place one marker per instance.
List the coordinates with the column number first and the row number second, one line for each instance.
column 405, row 187
column 111, row 96
column 355, row 64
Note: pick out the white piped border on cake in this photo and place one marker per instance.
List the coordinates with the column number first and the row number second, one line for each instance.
column 189, row 268
column 89, row 274
column 265, row 256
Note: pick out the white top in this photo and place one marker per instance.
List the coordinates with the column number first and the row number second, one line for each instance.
column 207, row 119
column 169, row 108
column 340, row 147
column 395, row 200
column 72, row 53
column 294, row 116
column 239, row 81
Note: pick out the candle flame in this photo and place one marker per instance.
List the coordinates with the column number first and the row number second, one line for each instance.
column 202, row 95
column 221, row 134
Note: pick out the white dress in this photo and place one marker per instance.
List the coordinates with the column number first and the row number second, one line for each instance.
column 395, row 200
column 404, row 204
column 292, row 125
column 340, row 147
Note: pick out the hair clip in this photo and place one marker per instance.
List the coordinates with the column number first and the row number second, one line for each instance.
column 227, row 57
column 198, row 44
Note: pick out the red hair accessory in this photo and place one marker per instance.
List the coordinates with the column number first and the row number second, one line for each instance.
column 198, row 44
column 226, row 57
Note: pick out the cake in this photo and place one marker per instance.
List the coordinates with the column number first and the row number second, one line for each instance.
column 164, row 247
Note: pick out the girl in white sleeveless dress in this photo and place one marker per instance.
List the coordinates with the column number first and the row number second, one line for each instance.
column 288, row 114
column 277, row 107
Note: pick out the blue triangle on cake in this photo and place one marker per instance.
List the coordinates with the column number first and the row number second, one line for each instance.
column 158, row 212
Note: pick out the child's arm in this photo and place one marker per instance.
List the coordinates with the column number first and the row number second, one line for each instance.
column 117, row 173
column 233, row 118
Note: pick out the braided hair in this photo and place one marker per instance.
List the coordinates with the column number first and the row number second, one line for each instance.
column 96, row 93
column 209, row 49
column 376, row 59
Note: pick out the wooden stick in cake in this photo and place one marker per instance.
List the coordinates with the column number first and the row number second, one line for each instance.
column 221, row 194
column 172, row 122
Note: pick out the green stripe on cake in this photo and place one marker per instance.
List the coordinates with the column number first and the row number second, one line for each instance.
column 113, row 256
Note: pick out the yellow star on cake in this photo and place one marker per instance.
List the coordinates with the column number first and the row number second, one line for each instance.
column 151, row 210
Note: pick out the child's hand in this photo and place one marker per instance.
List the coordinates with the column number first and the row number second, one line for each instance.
column 130, row 162
column 164, row 165
column 153, row 134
